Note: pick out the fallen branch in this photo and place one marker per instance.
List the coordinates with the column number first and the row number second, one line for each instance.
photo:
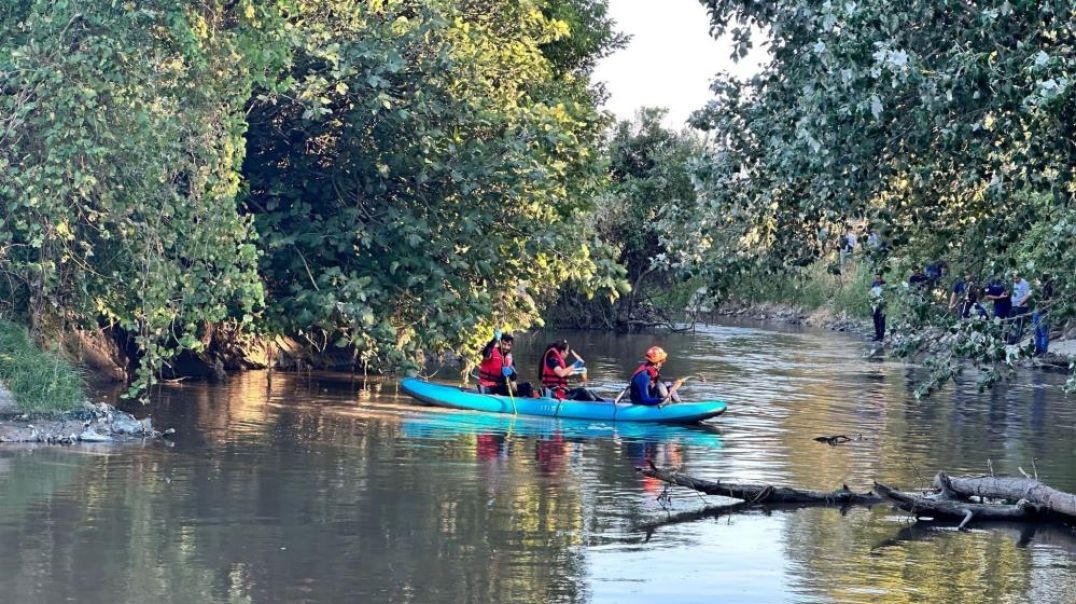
column 763, row 493
column 1010, row 488
column 1031, row 500
column 948, row 509
column 713, row 511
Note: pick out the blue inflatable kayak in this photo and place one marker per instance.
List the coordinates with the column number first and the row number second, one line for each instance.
column 458, row 398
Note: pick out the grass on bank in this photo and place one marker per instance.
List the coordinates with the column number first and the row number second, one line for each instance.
column 811, row 287
column 40, row 381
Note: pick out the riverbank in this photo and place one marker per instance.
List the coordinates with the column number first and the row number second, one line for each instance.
column 1061, row 357
column 101, row 423
column 822, row 317
column 43, row 398
column 33, row 380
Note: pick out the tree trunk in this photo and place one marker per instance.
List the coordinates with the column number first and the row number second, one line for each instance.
column 1012, row 489
column 955, row 509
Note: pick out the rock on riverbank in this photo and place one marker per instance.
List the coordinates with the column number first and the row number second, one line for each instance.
column 91, row 424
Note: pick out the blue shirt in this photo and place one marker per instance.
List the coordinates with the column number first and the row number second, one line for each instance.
column 640, row 390
column 1002, row 306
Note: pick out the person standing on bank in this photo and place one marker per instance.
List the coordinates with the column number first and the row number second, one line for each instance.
column 646, row 385
column 497, row 371
column 1038, row 317
column 848, row 245
column 960, row 293
column 1021, row 295
column 997, row 292
column 877, row 296
column 1021, row 305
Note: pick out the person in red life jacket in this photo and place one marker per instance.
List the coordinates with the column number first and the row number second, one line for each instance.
column 646, row 385
column 554, row 371
column 497, row 372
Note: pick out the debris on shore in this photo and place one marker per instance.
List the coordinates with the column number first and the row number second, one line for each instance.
column 90, row 424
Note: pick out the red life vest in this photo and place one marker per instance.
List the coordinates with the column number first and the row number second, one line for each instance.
column 490, row 370
column 649, row 369
column 549, row 377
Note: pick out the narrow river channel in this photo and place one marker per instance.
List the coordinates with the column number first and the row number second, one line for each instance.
column 314, row 489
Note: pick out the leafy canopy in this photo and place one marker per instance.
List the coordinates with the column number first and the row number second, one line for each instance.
column 946, row 124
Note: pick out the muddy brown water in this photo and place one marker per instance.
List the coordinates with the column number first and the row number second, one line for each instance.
column 315, row 489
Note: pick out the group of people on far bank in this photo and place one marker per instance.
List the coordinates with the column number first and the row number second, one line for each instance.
column 1014, row 302
column 497, row 374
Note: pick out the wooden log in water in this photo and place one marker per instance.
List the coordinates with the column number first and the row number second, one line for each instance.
column 1032, row 501
column 1011, row 488
column 763, row 493
column 942, row 508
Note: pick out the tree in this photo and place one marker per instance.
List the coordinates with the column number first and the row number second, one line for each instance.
column 949, row 125
column 424, row 180
column 648, row 197
column 121, row 132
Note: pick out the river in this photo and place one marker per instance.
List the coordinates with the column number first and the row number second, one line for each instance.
column 316, row 489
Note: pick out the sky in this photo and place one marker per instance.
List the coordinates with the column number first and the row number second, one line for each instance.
column 669, row 61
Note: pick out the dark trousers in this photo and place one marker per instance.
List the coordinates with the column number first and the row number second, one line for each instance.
column 879, row 325
column 582, row 394
column 523, row 389
column 573, row 394
column 1019, row 313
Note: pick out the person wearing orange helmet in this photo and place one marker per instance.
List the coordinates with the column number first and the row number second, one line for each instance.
column 646, row 385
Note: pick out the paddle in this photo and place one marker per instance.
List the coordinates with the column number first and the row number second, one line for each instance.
column 507, row 372
column 511, row 396
column 676, row 386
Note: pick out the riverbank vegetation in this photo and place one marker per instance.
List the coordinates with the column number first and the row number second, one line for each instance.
column 842, row 289
column 393, row 179
column 642, row 204
column 39, row 381
column 944, row 128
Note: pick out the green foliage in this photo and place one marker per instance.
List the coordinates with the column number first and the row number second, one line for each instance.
column 423, row 179
column 412, row 173
column 591, row 35
column 649, row 194
column 947, row 125
column 119, row 154
column 810, row 287
column 41, row 382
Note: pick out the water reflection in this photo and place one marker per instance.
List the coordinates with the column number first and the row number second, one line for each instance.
column 326, row 489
